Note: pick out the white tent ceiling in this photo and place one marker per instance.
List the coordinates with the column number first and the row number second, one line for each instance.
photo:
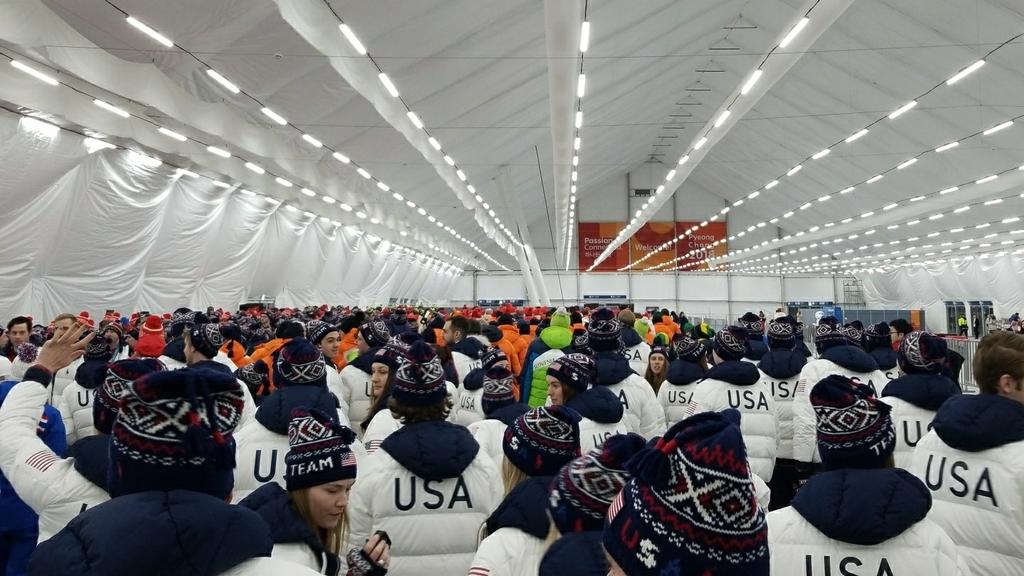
column 477, row 74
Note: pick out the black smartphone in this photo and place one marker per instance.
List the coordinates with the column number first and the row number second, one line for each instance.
column 384, row 536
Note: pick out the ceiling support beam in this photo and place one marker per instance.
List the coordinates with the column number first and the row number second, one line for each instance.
column 528, row 264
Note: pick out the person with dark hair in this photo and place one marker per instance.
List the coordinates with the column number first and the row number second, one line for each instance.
column 466, row 351
column 900, row 328
column 601, row 413
column 635, row 348
column 510, row 335
column 468, row 408
column 755, row 346
column 684, row 373
column 173, row 355
column 972, row 460
column 19, row 329
column 861, row 507
column 429, row 482
column 878, row 343
column 357, row 388
column 500, row 407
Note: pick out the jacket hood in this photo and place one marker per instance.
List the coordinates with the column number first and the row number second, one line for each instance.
column 470, row 347
column 275, row 411
column 474, row 380
column 926, row 391
column 629, row 337
column 432, row 450
column 507, row 414
column 365, row 361
column 286, row 525
column 782, row 363
column 864, row 507
column 851, row 358
column 612, row 368
column 116, row 539
column 885, row 357
column 682, row 372
column 755, row 348
column 735, row 372
column 92, row 458
column 979, row 422
column 175, row 349
column 575, row 554
column 212, row 365
column 556, row 337
column 598, row 404
column 525, row 508
column 91, row 374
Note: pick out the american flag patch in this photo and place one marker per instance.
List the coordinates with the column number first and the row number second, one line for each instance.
column 616, row 506
column 42, row 460
column 349, row 460
column 478, row 571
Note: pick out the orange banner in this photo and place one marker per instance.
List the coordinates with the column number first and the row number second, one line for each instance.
column 701, row 240
column 649, row 238
column 593, row 238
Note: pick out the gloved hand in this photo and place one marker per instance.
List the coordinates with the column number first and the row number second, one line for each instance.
column 373, row 559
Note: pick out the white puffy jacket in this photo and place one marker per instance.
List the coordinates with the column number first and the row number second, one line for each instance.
column 638, row 356
column 861, row 522
column 382, row 425
column 490, row 434
column 848, row 361
column 518, row 529
column 914, row 399
column 643, row 413
column 433, row 523
column 737, row 384
column 62, row 379
column 467, row 409
column 973, row 463
column 48, row 484
column 780, row 371
column 356, row 391
column 77, row 401
column 676, row 392
column 464, row 365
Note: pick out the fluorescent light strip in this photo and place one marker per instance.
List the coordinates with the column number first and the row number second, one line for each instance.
column 218, row 151
column 415, row 119
column 822, row 154
column 751, row 81
column 341, row 158
column 722, row 118
column 856, row 135
column 945, row 147
column 794, row 169
column 388, row 84
column 579, row 118
column 150, row 32
column 316, row 143
column 220, row 184
column 273, row 116
column 255, row 168
column 35, row 73
column 902, row 109
column 220, row 79
column 111, row 108
column 700, row 143
column 875, row 178
column 362, row 172
column 584, row 36
column 907, row 164
column 352, row 39
column 961, row 74
column 581, row 85
column 793, row 32
column 283, row 182
column 998, row 128
column 987, row 179
column 172, row 134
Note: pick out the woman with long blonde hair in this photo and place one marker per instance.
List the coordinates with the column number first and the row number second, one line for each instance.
column 308, row 522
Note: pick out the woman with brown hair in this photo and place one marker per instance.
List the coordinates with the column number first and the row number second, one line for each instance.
column 308, row 522
column 657, row 367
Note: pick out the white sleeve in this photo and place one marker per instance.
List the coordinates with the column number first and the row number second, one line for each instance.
column 653, row 422
column 359, row 510
column 493, row 557
column 804, row 424
column 70, row 430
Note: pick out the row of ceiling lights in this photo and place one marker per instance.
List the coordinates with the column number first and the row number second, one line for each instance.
column 581, row 88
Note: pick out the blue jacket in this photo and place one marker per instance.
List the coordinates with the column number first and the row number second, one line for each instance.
column 276, row 409
column 683, row 372
column 432, row 450
column 851, row 358
column 575, row 554
column 755, row 348
column 886, row 357
column 598, row 404
column 157, row 534
column 15, row 515
column 611, row 367
column 525, row 508
column 927, row 391
column 781, row 363
column 865, row 507
column 286, row 525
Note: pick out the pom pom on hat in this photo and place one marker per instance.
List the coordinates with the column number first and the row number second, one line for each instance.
column 543, row 440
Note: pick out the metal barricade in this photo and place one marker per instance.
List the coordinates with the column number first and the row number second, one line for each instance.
column 965, row 347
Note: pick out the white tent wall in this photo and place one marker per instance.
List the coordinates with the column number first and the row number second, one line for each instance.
column 929, row 286
column 723, row 296
column 94, row 231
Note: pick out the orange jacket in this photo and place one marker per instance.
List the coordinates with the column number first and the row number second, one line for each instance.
column 509, row 349
column 439, row 337
column 665, row 328
column 511, row 335
column 348, row 342
column 576, row 327
column 236, row 352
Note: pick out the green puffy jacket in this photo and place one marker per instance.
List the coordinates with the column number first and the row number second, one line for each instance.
column 557, row 339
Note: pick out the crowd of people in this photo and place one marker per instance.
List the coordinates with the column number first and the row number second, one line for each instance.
column 512, row 441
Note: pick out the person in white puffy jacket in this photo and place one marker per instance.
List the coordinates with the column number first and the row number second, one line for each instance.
column 973, row 461
column 734, row 383
column 780, row 369
column 357, row 390
column 684, row 373
column 838, row 353
column 173, row 355
column 429, row 486
column 643, row 413
column 862, row 515
column 467, row 408
column 300, row 375
column 636, row 351
column 466, row 349
column 536, row 446
column 307, row 521
column 918, row 393
column 327, row 338
column 500, row 409
column 600, row 411
column 77, row 397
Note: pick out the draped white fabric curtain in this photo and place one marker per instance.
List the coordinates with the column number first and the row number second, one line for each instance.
column 82, row 231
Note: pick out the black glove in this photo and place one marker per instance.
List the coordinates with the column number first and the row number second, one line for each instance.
column 360, row 564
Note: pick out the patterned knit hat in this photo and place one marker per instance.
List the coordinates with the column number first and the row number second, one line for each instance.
column 574, row 370
column 584, row 488
column 254, row 375
column 878, row 336
column 781, row 335
column 98, row 349
column 376, row 333
column 854, row 334
column 854, row 427
column 317, row 330
column 922, row 352
column 730, row 342
column 688, row 349
column 393, row 353
column 689, row 507
column 543, row 440
column 663, row 350
column 318, row 450
column 499, row 390
column 174, row 433
column 604, row 331
column 300, row 363
column 419, row 381
column 180, row 321
column 829, row 335
column 106, row 402
column 206, row 339
column 581, row 342
column 752, row 322
column 492, row 356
